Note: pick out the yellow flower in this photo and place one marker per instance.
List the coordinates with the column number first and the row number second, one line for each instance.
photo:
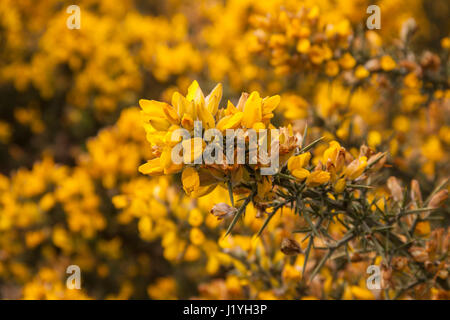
column 317, row 54
column 423, row 228
column 230, row 121
column 332, row 68
column 361, row 293
column 411, row 81
column 296, row 165
column 153, row 113
column 347, row 61
column 291, row 273
column 192, row 149
column 299, row 161
column 47, row 202
column 445, row 43
column 387, row 63
column 317, row 178
column 374, row 138
column 145, row 227
column 301, row 173
column 432, row 149
column 196, row 236
column 190, row 180
column 330, row 154
column 303, row 46
column 401, row 123
column 339, row 185
column 361, row 72
column 152, row 167
column 195, row 217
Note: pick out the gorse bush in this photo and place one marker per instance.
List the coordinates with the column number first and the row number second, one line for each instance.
column 321, row 151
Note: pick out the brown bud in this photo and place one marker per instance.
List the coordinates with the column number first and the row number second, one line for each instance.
column 377, row 166
column 429, row 266
column 386, row 277
column 437, row 200
column 319, row 166
column 365, row 151
column 223, row 210
column 395, row 188
column 431, row 245
column 430, row 61
column 399, row 263
column 416, row 195
column 340, row 159
column 408, row 64
column 386, row 273
column 260, row 210
column 443, row 274
column 356, row 257
column 409, row 27
column 419, row 254
column 290, row 247
column 372, row 65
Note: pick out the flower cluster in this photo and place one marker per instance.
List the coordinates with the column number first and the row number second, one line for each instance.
column 336, row 161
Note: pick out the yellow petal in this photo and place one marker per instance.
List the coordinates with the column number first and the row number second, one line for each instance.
column 299, row 161
column 187, row 122
column 178, row 103
column 231, row 109
column 213, row 99
column 152, row 107
column 152, row 167
column 160, row 124
column 317, row 178
column 252, row 110
column 300, row 173
column 190, row 180
column 270, row 103
column 196, row 146
column 205, row 116
column 171, row 114
column 192, row 90
column 230, row 122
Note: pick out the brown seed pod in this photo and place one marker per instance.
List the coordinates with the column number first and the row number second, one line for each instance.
column 290, row 247
column 223, row 210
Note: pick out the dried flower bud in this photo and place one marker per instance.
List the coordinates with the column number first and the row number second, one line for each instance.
column 340, row 160
column 416, row 195
column 429, row 266
column 408, row 28
column 290, row 247
column 443, row 274
column 386, row 273
column 419, row 254
column 356, row 257
column 408, row 64
column 430, row 61
column 395, row 188
column 319, row 166
column 386, row 277
column 365, row 151
column 437, row 200
column 399, row 263
column 379, row 164
column 431, row 246
column 223, row 210
column 260, row 210
column 372, row 65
